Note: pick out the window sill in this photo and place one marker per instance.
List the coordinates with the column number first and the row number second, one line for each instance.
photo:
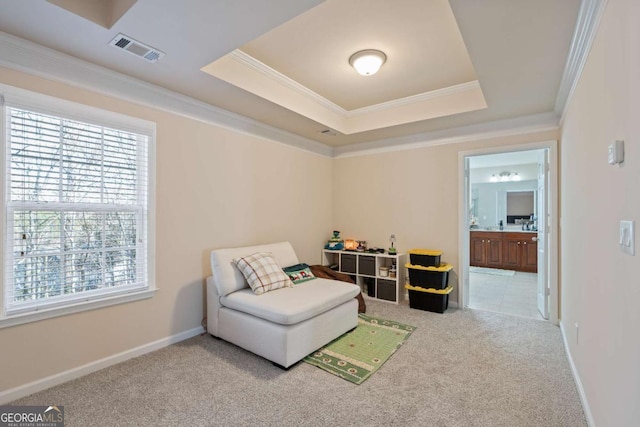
column 19, row 319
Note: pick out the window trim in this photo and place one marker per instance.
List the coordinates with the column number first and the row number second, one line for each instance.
column 75, row 307
column 32, row 101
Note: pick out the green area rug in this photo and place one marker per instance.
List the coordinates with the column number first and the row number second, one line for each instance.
column 356, row 355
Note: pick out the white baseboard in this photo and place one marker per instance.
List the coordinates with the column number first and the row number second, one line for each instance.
column 53, row 380
column 576, row 377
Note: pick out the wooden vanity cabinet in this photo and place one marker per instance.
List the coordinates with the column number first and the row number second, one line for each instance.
column 521, row 252
column 506, row 250
column 486, row 249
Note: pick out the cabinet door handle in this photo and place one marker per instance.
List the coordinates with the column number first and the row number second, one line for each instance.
column 534, row 239
column 525, row 243
column 482, row 240
column 518, row 242
column 488, row 241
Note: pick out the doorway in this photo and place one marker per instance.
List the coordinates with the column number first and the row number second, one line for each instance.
column 506, row 233
column 512, row 293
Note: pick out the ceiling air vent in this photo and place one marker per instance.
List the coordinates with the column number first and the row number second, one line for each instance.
column 328, row 132
column 136, row 48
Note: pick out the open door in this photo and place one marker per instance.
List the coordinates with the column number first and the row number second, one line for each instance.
column 469, row 206
column 543, row 241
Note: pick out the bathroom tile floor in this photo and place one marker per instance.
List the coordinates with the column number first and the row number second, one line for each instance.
column 515, row 294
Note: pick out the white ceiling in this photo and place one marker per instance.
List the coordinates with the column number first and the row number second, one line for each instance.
column 517, row 51
column 421, row 40
column 303, row 65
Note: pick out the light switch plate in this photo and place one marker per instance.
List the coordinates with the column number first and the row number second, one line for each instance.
column 616, row 152
column 627, row 237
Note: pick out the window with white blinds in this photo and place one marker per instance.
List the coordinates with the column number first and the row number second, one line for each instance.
column 76, row 211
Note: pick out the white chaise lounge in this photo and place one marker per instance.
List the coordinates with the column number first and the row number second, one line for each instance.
column 282, row 325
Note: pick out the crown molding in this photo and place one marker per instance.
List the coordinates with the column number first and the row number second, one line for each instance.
column 420, row 97
column 34, row 59
column 502, row 128
column 251, row 62
column 587, row 23
column 343, row 115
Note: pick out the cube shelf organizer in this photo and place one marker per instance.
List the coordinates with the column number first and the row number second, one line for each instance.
column 373, row 272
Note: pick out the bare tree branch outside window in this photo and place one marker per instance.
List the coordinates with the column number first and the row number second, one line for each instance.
column 76, row 207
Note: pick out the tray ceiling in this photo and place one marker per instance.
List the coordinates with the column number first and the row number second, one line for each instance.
column 303, row 65
column 451, row 64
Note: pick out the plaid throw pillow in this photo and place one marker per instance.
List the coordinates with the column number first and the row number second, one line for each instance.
column 262, row 272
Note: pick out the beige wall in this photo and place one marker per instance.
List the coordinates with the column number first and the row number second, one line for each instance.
column 214, row 188
column 601, row 285
column 203, row 169
column 412, row 194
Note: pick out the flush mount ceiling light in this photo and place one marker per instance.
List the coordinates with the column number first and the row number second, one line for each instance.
column 367, row 62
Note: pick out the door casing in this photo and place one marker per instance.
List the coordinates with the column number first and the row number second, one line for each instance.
column 552, row 220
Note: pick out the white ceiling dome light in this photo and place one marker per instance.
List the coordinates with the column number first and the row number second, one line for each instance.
column 367, row 62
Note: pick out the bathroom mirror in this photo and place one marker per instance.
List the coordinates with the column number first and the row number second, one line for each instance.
column 492, row 202
column 520, row 205
column 474, row 203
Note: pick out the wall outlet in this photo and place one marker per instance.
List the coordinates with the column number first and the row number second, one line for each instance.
column 577, row 331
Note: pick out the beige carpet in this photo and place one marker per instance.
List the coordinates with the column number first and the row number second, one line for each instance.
column 460, row 368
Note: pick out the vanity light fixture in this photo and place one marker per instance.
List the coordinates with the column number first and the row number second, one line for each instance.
column 505, row 176
column 367, row 62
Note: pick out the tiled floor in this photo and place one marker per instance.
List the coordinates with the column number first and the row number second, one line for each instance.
column 515, row 294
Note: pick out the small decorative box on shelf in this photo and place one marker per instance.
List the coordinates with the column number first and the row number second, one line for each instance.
column 379, row 275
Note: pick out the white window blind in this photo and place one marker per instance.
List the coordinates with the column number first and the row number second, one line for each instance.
column 76, row 210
